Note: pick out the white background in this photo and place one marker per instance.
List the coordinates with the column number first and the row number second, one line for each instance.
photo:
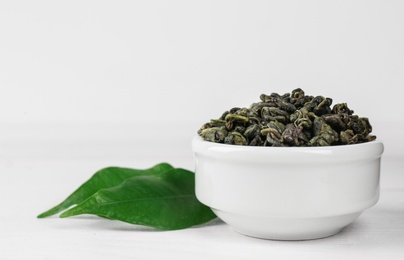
column 131, row 82
column 177, row 64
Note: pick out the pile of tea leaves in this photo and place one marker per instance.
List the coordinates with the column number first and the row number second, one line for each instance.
column 292, row 119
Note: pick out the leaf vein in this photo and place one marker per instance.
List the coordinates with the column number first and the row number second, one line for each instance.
column 146, row 199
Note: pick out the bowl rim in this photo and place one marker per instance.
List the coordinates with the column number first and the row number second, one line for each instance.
column 353, row 152
column 342, row 146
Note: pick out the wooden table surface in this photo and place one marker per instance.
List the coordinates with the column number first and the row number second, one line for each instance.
column 31, row 185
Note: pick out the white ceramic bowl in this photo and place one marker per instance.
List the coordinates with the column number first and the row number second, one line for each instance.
column 287, row 193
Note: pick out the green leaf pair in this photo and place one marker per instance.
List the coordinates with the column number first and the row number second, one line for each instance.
column 162, row 197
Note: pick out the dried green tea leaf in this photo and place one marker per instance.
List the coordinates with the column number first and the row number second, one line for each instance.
column 308, row 121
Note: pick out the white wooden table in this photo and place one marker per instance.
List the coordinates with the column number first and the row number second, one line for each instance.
column 32, row 184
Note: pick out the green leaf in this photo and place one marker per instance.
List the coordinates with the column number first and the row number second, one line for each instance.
column 104, row 178
column 164, row 201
